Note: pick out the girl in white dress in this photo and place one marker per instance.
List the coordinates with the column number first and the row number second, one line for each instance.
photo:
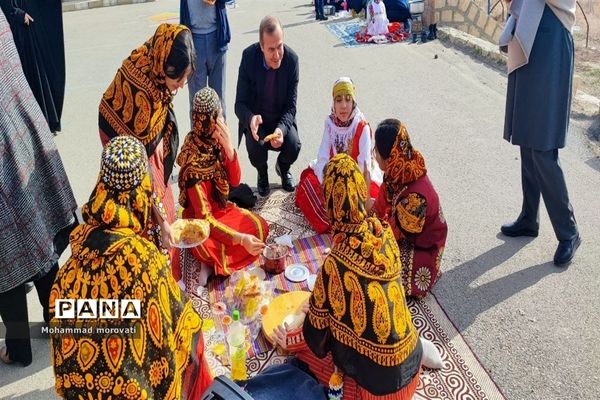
column 377, row 21
column 346, row 131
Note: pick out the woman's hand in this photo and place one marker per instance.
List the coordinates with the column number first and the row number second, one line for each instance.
column 223, row 137
column 166, row 235
column 252, row 244
column 280, row 336
column 306, row 307
column 28, row 19
column 369, row 204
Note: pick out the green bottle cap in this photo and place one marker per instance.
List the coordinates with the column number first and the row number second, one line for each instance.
column 236, row 315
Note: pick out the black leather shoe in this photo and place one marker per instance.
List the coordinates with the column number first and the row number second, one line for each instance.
column 566, row 251
column 263, row 185
column 518, row 228
column 287, row 182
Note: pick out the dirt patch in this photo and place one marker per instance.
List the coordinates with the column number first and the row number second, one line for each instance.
column 587, row 59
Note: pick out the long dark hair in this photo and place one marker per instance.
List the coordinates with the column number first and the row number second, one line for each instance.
column 182, row 56
column 385, row 136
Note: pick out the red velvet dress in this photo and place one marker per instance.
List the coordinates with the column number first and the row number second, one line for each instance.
column 219, row 250
column 420, row 230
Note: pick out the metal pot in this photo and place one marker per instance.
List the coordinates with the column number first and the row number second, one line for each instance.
column 274, row 257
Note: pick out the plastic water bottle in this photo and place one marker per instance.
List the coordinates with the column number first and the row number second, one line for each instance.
column 236, row 338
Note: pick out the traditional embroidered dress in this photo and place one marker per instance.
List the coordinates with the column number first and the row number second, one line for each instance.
column 353, row 137
column 358, row 320
column 377, row 21
column 204, row 180
column 138, row 103
column 111, row 260
column 410, row 204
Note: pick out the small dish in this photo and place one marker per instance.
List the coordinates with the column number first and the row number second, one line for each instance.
column 296, row 273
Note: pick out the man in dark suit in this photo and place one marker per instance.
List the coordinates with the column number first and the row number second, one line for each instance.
column 265, row 104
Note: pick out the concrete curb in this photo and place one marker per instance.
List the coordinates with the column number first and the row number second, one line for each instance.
column 76, row 5
column 583, row 103
column 468, row 42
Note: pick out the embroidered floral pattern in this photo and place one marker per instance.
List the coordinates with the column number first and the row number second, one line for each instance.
column 422, row 279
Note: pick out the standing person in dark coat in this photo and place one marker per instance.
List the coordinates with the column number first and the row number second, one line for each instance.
column 265, row 104
column 397, row 10
column 540, row 64
column 36, row 203
column 37, row 28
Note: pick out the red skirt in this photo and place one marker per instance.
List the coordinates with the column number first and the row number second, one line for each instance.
column 226, row 258
column 309, row 199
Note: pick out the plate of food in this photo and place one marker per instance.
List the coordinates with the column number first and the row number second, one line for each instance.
column 187, row 233
column 285, row 308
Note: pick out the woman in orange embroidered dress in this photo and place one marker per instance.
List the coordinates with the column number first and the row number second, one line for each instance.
column 358, row 335
column 138, row 103
column 164, row 358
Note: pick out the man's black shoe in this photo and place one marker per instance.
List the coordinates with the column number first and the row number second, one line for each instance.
column 263, row 185
column 518, row 228
column 566, row 251
column 287, row 182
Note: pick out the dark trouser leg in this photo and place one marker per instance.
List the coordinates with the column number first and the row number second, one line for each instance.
column 554, row 191
column 319, row 4
column 43, row 286
column 289, row 151
column 13, row 310
column 531, row 191
column 216, row 69
column 257, row 153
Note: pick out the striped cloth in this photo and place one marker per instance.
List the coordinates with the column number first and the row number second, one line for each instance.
column 309, row 251
column 36, row 201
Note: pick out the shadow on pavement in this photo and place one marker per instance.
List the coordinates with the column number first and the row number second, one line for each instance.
column 15, row 372
column 458, row 282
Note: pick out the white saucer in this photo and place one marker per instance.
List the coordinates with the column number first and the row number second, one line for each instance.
column 296, row 272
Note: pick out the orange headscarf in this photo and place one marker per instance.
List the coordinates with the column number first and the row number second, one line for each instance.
column 405, row 164
column 138, row 103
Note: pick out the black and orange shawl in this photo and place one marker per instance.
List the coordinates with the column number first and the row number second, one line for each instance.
column 110, row 259
column 358, row 311
column 138, row 102
column 405, row 164
column 201, row 158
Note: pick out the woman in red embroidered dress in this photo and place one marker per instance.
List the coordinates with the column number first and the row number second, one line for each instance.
column 346, row 131
column 209, row 165
column 358, row 334
column 408, row 201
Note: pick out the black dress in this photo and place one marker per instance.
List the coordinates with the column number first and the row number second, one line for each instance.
column 42, row 51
